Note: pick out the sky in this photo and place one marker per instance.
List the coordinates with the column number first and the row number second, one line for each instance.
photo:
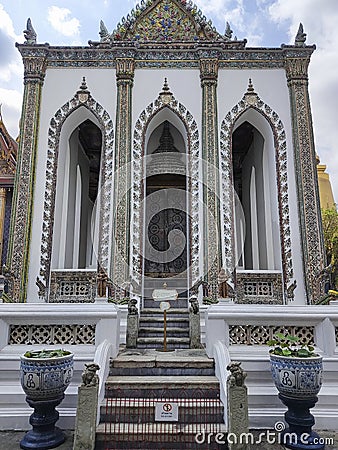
column 264, row 23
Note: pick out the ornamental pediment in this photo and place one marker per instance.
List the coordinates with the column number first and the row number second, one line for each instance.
column 163, row 21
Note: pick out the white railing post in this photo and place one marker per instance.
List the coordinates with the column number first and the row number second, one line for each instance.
column 325, row 336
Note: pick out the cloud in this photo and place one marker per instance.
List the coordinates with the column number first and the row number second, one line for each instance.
column 245, row 21
column 10, row 60
column 11, row 101
column 60, row 20
column 320, row 23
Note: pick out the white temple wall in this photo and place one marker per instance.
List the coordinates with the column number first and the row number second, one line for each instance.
column 61, row 84
column 59, row 87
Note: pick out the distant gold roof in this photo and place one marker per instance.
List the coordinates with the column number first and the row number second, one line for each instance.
column 325, row 188
column 8, row 154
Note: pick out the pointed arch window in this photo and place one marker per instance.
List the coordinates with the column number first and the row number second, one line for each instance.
column 254, row 176
column 77, row 190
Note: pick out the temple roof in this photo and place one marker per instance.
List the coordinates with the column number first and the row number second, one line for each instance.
column 8, row 153
column 166, row 20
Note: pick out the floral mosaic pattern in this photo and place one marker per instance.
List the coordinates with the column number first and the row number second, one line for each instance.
column 166, row 20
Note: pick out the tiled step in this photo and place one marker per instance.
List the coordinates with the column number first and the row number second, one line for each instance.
column 162, row 364
column 158, row 332
column 171, row 312
column 179, row 303
column 161, row 386
column 158, row 435
column 157, row 342
column 137, row 410
column 156, row 322
column 179, row 360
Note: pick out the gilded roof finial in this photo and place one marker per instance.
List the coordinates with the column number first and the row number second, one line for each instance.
column 250, row 96
column 165, row 94
column 300, row 36
column 250, row 89
column 83, row 86
column 83, row 93
column 165, row 86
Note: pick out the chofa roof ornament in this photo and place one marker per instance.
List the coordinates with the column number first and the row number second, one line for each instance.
column 29, row 33
column 300, row 36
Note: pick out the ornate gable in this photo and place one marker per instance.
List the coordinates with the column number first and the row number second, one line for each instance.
column 8, row 153
column 166, row 21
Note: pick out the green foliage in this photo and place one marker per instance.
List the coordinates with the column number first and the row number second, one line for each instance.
column 47, row 353
column 209, row 301
column 330, row 230
column 121, row 301
column 287, row 345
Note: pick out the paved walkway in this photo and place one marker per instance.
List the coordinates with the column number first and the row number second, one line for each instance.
column 10, row 440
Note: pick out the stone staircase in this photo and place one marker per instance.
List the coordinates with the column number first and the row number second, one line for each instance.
column 151, row 326
column 139, row 379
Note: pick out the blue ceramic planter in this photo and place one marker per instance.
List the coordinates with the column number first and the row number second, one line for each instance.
column 298, row 381
column 297, row 377
column 44, row 381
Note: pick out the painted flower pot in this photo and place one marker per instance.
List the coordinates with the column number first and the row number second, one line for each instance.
column 45, row 378
column 298, row 381
column 297, row 377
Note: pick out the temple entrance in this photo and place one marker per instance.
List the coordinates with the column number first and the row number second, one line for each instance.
column 166, row 252
column 166, row 219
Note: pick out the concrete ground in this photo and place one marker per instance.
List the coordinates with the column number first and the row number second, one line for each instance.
column 10, row 440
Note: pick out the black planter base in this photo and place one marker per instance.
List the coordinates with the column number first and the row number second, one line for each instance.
column 44, row 434
column 299, row 435
column 42, row 440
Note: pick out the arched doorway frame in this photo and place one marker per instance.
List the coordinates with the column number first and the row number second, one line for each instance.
column 81, row 99
column 252, row 100
column 165, row 100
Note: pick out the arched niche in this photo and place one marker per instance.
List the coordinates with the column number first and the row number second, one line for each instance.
column 252, row 109
column 255, row 183
column 81, row 107
column 77, row 187
column 165, row 107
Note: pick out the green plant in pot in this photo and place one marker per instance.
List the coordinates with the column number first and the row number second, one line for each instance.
column 297, row 373
column 44, row 376
column 296, row 368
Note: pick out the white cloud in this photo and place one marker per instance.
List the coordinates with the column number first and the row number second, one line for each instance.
column 11, row 101
column 320, row 23
column 10, row 60
column 6, row 25
column 60, row 20
column 244, row 23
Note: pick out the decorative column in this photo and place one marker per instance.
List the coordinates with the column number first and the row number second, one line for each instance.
column 296, row 64
column 3, row 192
column 35, row 62
column 120, row 244
column 212, row 251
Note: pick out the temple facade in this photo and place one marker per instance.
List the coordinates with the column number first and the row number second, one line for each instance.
column 166, row 152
